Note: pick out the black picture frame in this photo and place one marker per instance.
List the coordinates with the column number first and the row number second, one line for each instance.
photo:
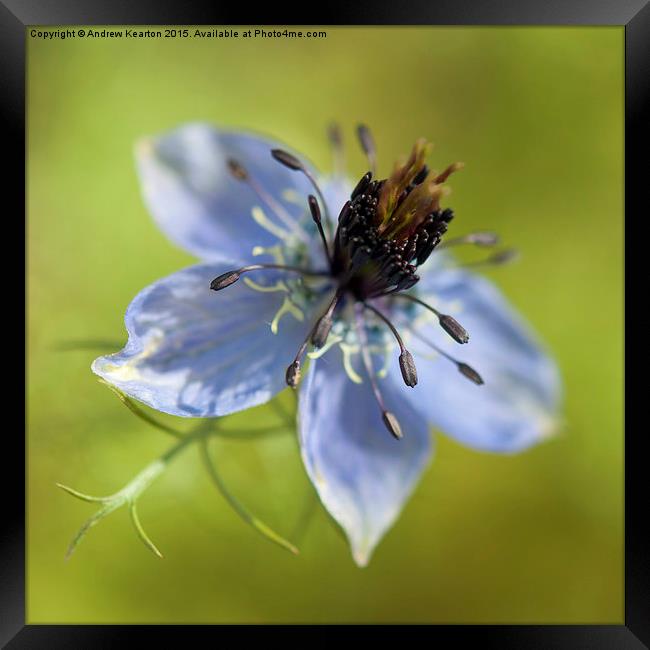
column 634, row 15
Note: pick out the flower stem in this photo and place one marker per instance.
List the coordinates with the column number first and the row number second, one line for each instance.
column 130, row 493
column 249, row 518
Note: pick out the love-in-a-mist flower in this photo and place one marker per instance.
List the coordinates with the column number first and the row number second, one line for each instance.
column 354, row 279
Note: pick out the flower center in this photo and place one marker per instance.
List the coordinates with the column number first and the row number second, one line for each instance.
column 384, row 232
column 390, row 227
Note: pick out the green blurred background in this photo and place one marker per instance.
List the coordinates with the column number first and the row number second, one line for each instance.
column 537, row 116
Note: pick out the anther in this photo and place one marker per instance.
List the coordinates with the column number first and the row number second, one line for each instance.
column 344, row 214
column 406, row 362
column 361, row 185
column 226, row 279
column 470, row 373
column 498, row 259
column 237, row 170
column 290, row 161
column 315, row 215
column 447, row 322
column 390, row 421
column 408, row 369
column 324, row 324
column 336, row 140
column 241, row 174
column 322, row 331
column 453, row 328
column 482, row 239
column 293, row 374
column 368, row 145
column 447, row 215
column 334, row 135
column 465, row 369
column 407, row 283
column 287, row 159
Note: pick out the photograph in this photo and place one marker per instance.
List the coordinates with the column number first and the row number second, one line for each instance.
column 325, row 324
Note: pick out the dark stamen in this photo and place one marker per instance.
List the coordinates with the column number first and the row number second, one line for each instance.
column 368, row 145
column 447, row 322
column 453, row 328
column 226, row 279
column 287, row 159
column 408, row 369
column 390, row 421
column 470, row 373
column 322, row 330
column 241, row 174
column 324, row 324
column 361, row 185
column 392, row 424
column 292, row 375
column 463, row 368
column 483, row 239
column 406, row 362
column 290, row 161
column 336, row 140
column 293, row 372
column 498, row 259
column 315, row 215
column 237, row 170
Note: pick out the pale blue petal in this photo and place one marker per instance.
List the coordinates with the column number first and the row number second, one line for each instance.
column 519, row 403
column 197, row 202
column 194, row 352
column 362, row 474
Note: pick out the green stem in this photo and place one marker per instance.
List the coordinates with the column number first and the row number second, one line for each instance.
column 130, row 493
column 238, row 507
column 136, row 486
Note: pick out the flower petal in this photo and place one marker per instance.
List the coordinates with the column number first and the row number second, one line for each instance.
column 199, row 205
column 362, row 474
column 519, row 402
column 196, row 353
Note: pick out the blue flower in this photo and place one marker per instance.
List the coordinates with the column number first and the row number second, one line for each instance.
column 356, row 279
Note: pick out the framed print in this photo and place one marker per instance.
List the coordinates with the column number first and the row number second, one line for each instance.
column 325, row 321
